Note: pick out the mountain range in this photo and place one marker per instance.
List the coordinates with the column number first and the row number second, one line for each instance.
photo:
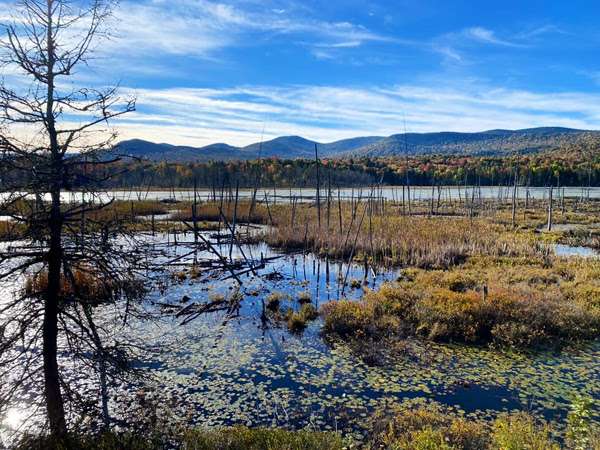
column 492, row 142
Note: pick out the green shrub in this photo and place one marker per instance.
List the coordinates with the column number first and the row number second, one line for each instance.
column 520, row 431
column 242, row 438
column 429, row 427
column 234, row 438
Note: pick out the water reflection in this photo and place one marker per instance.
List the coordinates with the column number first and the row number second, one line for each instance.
column 237, row 371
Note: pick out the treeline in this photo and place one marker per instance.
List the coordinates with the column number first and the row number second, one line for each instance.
column 533, row 170
column 556, row 169
column 248, row 173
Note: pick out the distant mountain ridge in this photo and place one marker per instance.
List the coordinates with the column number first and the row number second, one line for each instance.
column 492, row 142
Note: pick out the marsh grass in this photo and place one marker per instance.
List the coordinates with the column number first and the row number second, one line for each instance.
column 10, row 231
column 129, row 210
column 411, row 425
column 433, row 426
column 245, row 212
column 234, row 438
column 242, row 438
column 391, row 239
column 499, row 301
column 86, row 285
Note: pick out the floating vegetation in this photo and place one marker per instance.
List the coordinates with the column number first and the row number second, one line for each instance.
column 219, row 370
column 248, row 373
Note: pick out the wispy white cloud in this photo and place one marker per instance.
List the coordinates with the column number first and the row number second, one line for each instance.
column 487, row 36
column 325, row 113
column 449, row 53
column 456, row 47
column 202, row 27
column 540, row 31
column 152, row 28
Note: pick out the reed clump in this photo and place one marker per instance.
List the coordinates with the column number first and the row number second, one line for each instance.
column 86, row 285
column 10, row 231
column 297, row 321
column 304, row 297
column 497, row 301
column 121, row 209
column 243, row 212
column 391, row 239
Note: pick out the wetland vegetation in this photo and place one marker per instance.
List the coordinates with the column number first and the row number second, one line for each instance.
column 355, row 314
column 386, row 326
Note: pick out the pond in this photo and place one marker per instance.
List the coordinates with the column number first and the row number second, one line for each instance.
column 244, row 372
column 221, row 370
column 575, row 250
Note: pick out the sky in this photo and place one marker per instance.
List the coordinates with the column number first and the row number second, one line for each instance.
column 238, row 71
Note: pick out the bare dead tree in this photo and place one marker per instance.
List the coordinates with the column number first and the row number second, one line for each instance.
column 53, row 139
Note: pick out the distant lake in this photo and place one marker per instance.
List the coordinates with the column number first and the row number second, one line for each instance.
column 392, row 193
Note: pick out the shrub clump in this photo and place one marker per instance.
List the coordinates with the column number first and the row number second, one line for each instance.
column 429, row 427
column 273, row 301
column 520, row 306
column 304, row 297
column 86, row 285
column 433, row 426
column 298, row 321
column 234, row 438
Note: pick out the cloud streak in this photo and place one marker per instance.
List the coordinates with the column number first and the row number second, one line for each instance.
column 486, row 36
column 201, row 27
column 326, row 113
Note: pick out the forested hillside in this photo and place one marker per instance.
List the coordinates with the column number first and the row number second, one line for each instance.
column 494, row 142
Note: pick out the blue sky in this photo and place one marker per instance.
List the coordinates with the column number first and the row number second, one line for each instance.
column 233, row 71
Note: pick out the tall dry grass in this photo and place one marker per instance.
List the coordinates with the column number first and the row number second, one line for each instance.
column 389, row 238
column 86, row 285
column 215, row 212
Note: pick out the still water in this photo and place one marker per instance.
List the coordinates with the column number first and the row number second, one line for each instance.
column 222, row 370
column 391, row 193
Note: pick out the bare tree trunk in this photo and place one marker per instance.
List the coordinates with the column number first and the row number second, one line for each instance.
column 54, row 400
column 514, row 202
column 318, row 189
column 52, row 390
column 431, row 213
column 550, row 209
column 39, row 42
column 194, row 212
